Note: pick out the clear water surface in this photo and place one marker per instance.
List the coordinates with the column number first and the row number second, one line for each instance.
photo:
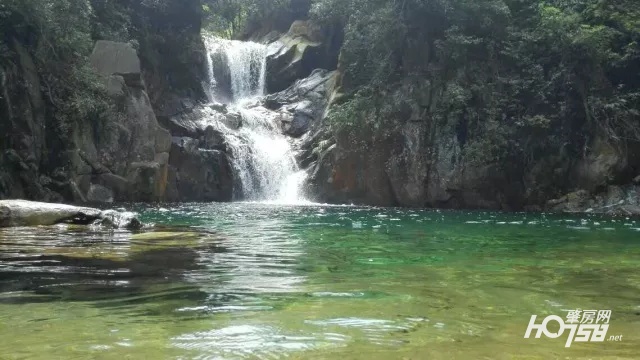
column 254, row 281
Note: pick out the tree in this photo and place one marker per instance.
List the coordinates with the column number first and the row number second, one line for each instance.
column 57, row 34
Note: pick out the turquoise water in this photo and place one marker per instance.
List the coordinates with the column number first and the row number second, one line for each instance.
column 254, row 281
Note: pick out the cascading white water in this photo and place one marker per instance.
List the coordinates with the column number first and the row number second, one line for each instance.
column 245, row 64
column 262, row 156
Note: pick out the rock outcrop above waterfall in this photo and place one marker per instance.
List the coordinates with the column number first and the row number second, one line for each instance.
column 296, row 54
column 15, row 213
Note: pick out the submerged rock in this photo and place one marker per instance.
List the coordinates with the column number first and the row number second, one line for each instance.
column 15, row 213
column 119, row 220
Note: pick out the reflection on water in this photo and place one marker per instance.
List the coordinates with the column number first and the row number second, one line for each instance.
column 252, row 281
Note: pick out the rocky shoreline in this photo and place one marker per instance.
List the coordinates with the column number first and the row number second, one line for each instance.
column 614, row 200
column 19, row 213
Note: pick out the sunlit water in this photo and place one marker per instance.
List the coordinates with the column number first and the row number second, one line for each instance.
column 252, row 281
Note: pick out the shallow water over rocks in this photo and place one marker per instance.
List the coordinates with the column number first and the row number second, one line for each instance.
column 258, row 281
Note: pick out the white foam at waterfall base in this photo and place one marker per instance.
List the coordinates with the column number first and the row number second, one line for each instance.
column 262, row 157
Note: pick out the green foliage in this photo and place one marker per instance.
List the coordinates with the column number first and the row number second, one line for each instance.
column 58, row 36
column 111, row 20
column 354, row 113
column 521, row 79
column 228, row 18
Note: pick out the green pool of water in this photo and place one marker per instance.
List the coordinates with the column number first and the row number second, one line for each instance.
column 252, row 281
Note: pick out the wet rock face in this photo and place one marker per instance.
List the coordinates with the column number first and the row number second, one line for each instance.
column 23, row 139
column 199, row 165
column 302, row 105
column 340, row 175
column 220, row 69
column 171, row 52
column 414, row 163
column 213, row 140
column 100, row 163
column 198, row 174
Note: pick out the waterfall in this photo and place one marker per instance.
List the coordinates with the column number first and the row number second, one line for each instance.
column 262, row 157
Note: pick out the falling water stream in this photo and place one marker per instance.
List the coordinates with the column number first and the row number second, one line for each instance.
column 262, row 157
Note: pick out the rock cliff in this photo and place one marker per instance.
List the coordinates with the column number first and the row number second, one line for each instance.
column 124, row 157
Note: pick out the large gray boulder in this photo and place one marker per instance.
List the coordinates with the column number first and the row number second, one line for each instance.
column 110, row 58
column 127, row 157
column 199, row 165
column 197, row 173
column 600, row 166
column 14, row 213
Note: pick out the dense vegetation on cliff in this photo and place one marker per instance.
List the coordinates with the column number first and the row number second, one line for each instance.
column 526, row 76
column 537, row 53
column 461, row 103
column 58, row 36
column 57, row 112
column 529, row 89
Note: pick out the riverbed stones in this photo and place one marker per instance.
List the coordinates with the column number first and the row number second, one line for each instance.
column 119, row 220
